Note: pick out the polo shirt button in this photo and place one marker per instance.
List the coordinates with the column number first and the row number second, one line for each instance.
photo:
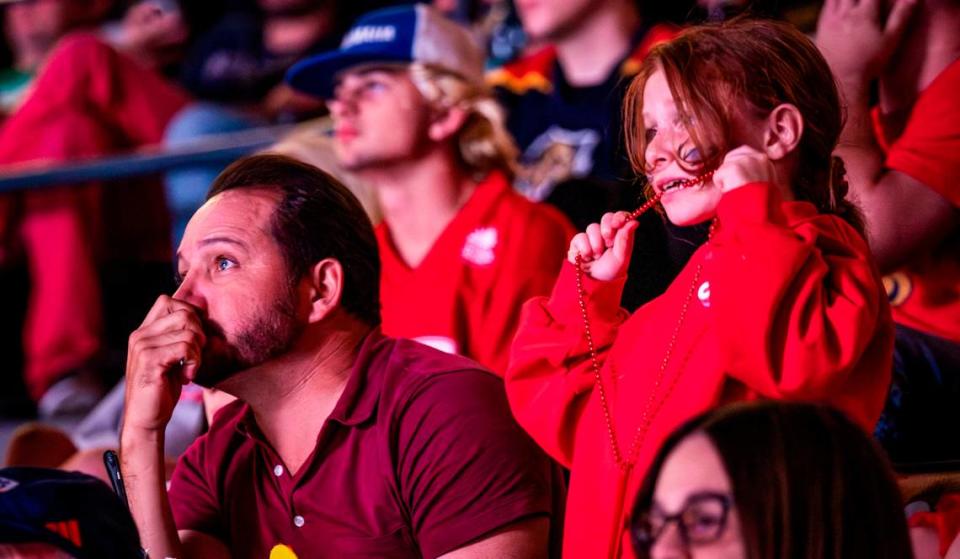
column 278, row 470
column 298, row 521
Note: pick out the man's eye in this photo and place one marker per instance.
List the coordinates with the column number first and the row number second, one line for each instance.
column 178, row 278
column 224, row 263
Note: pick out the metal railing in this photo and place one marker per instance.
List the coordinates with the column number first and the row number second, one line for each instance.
column 219, row 149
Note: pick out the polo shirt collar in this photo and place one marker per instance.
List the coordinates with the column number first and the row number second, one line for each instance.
column 362, row 393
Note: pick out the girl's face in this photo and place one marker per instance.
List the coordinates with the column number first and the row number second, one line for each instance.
column 668, row 145
column 693, row 514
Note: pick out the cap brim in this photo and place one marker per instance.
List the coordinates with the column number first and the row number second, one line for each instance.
column 318, row 74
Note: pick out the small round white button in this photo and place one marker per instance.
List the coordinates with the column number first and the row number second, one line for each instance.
column 278, row 470
column 298, row 521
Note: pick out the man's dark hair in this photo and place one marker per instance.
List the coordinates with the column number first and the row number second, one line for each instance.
column 317, row 217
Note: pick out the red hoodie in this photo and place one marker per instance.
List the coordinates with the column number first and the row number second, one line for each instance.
column 788, row 305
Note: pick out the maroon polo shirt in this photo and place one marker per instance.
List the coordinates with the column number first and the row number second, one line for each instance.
column 420, row 456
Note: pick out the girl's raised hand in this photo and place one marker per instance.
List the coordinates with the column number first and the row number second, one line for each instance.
column 742, row 166
column 605, row 247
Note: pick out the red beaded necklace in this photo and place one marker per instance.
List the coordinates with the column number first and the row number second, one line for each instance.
column 652, row 407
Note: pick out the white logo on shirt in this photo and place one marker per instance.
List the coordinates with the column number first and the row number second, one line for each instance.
column 443, row 343
column 703, row 293
column 479, row 246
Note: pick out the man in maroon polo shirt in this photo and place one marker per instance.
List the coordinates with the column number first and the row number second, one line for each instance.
column 344, row 442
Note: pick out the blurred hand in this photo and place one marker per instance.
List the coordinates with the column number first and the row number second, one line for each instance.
column 742, row 166
column 856, row 40
column 605, row 247
column 171, row 332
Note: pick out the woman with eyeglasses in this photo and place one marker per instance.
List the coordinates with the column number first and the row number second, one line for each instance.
column 769, row 480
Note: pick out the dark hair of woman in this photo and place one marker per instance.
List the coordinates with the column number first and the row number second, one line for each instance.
column 807, row 483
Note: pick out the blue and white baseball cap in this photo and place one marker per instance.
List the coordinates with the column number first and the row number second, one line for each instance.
column 393, row 36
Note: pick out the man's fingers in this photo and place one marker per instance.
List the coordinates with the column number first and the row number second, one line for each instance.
column 180, row 319
column 173, row 337
column 166, row 350
column 189, row 371
column 164, row 305
column 154, row 362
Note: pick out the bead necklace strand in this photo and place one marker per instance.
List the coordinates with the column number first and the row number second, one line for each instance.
column 627, row 462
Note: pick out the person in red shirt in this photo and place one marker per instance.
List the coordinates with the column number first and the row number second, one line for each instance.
column 343, row 442
column 88, row 100
column 783, row 302
column 904, row 160
column 461, row 251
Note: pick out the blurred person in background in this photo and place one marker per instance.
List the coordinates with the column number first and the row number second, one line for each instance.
column 903, row 159
column 460, row 250
column 87, row 100
column 235, row 72
column 769, row 481
column 563, row 102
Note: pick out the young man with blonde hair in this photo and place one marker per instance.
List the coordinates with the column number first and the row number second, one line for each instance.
column 460, row 250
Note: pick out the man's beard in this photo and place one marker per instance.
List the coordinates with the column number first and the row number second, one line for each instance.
column 269, row 335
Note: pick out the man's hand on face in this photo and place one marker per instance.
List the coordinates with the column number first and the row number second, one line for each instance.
column 163, row 354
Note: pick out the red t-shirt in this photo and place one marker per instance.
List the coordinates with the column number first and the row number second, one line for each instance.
column 925, row 294
column 419, row 457
column 788, row 305
column 465, row 296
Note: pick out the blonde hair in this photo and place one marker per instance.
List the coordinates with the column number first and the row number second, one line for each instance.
column 483, row 142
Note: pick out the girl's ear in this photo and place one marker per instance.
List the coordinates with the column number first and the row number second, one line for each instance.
column 784, row 129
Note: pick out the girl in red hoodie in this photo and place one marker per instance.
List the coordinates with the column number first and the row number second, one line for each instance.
column 783, row 301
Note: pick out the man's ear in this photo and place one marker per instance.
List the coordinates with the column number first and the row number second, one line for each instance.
column 784, row 130
column 446, row 122
column 325, row 288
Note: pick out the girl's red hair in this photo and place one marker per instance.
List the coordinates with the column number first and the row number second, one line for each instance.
column 720, row 72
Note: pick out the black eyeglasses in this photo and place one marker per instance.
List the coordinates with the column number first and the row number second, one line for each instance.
column 702, row 519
